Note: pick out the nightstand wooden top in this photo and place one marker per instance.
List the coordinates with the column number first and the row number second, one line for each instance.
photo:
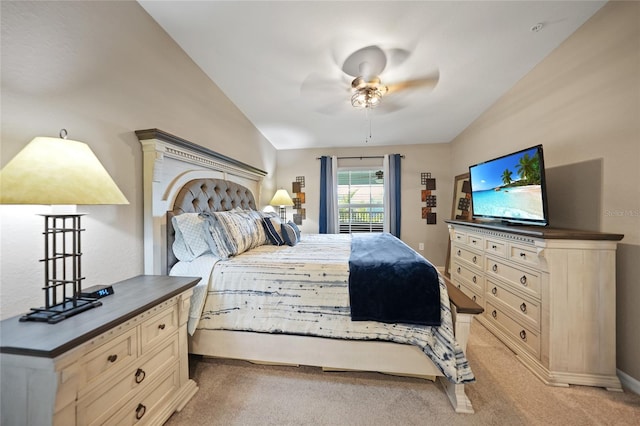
column 132, row 297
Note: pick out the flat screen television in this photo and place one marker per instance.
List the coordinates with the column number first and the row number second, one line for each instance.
column 511, row 188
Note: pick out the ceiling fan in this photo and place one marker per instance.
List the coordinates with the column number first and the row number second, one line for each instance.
column 366, row 65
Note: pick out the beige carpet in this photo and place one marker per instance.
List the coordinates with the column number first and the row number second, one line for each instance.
column 505, row 393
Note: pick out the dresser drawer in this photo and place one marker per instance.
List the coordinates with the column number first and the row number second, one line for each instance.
column 103, row 361
column 459, row 237
column 145, row 407
column 522, row 335
column 468, row 256
column 495, row 247
column 470, row 277
column 524, row 254
column 110, row 397
column 525, row 280
column 158, row 327
column 475, row 241
column 524, row 309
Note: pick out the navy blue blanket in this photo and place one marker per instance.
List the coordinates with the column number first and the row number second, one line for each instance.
column 389, row 282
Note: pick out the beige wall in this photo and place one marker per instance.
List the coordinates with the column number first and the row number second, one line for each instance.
column 433, row 158
column 101, row 70
column 583, row 104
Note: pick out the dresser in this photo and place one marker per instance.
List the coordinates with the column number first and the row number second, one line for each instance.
column 121, row 363
column 549, row 294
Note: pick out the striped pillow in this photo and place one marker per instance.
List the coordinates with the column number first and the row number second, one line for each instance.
column 234, row 232
column 289, row 234
column 295, row 229
column 272, row 226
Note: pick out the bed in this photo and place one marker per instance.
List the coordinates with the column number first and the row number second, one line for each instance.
column 234, row 322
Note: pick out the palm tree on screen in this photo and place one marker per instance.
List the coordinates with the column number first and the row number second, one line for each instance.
column 506, row 176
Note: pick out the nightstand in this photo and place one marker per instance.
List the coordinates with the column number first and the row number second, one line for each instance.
column 121, row 363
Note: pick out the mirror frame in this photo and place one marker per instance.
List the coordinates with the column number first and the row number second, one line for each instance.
column 457, row 213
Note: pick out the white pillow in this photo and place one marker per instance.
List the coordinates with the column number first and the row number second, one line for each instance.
column 191, row 239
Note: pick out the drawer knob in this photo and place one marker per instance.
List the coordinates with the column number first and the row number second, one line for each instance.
column 140, row 410
column 474, row 242
column 494, row 268
column 523, row 307
column 458, row 270
column 112, row 358
column 459, row 252
column 523, row 255
column 474, row 279
column 161, row 326
column 494, row 314
column 494, row 247
column 494, row 291
column 473, row 298
column 523, row 280
column 140, row 375
column 523, row 335
column 474, row 259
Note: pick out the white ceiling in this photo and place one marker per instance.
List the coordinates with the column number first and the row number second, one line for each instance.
column 280, row 62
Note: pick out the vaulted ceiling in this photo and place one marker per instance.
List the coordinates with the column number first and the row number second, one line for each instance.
column 283, row 65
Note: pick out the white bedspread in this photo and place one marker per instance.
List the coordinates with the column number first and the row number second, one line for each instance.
column 304, row 290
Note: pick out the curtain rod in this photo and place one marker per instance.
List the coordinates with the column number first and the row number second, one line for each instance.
column 360, row 157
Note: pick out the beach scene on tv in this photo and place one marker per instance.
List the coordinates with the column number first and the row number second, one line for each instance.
column 509, row 187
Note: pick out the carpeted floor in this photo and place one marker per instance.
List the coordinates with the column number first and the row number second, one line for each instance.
column 505, row 393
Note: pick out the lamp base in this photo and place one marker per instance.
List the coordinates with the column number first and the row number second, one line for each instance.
column 61, row 311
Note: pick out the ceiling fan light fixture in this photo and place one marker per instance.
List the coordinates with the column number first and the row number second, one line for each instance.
column 367, row 97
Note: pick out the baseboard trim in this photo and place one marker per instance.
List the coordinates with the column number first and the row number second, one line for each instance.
column 628, row 382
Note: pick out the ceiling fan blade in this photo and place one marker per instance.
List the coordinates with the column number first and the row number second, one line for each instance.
column 372, row 57
column 413, row 84
column 318, row 87
column 397, row 56
column 334, row 108
column 388, row 106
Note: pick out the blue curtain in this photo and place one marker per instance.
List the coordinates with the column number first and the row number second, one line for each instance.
column 392, row 188
column 328, row 222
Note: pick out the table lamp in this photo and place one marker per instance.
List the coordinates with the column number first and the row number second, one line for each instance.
column 59, row 171
column 282, row 199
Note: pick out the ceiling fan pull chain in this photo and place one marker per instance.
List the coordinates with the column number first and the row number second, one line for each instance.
column 368, row 119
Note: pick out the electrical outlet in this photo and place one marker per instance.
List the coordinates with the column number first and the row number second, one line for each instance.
column 420, row 246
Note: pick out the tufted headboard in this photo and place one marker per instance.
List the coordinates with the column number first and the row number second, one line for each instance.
column 206, row 195
column 181, row 176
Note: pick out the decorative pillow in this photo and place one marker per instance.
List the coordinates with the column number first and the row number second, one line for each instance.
column 273, row 228
column 296, row 229
column 257, row 217
column 191, row 238
column 233, row 232
column 289, row 234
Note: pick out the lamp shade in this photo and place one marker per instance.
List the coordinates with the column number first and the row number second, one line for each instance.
column 57, row 171
column 281, row 198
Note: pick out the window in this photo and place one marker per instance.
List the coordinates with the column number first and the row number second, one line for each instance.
column 360, row 201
